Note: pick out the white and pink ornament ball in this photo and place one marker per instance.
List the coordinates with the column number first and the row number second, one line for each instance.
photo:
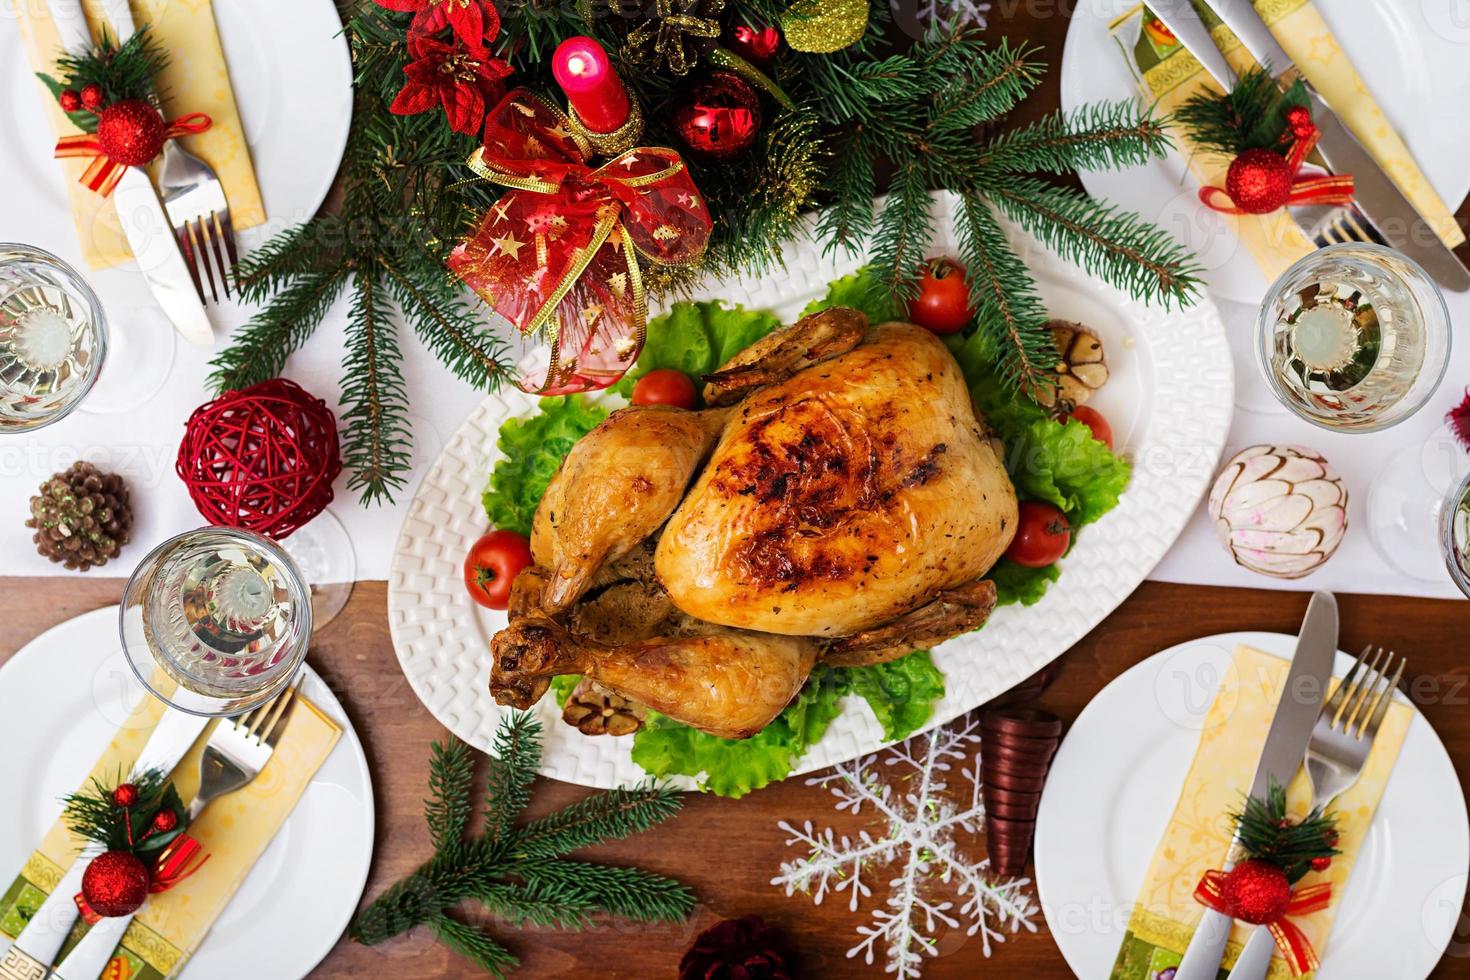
column 1279, row 510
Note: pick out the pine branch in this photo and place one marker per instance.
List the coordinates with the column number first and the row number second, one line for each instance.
column 1004, row 297
column 1115, row 245
column 1102, row 136
column 904, row 229
column 1251, row 115
column 991, row 81
column 445, row 323
column 848, row 223
column 375, row 445
column 448, row 809
column 632, row 893
column 612, row 815
column 508, row 790
column 519, row 906
column 258, row 350
column 474, row 946
column 311, row 248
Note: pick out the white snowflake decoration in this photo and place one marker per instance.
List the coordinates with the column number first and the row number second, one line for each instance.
column 948, row 14
column 918, row 841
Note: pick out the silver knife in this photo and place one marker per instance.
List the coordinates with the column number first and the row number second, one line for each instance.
column 1374, row 192
column 1190, row 30
column 1286, row 744
column 140, row 211
column 35, row 949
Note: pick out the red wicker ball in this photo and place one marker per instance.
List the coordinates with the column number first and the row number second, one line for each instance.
column 262, row 459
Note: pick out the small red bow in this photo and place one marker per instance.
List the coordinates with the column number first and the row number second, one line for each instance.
column 1303, row 135
column 561, row 249
column 1292, row 942
column 103, row 173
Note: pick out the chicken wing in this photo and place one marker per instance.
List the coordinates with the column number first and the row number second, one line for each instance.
column 952, row 612
column 781, row 354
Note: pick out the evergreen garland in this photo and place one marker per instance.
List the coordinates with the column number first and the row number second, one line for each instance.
column 841, row 127
column 520, row 872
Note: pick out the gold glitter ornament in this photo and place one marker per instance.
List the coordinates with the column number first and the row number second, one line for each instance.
column 824, row 26
column 674, row 35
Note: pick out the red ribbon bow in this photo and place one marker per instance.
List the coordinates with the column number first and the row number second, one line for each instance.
column 1292, row 942
column 103, row 173
column 1323, row 189
column 561, row 251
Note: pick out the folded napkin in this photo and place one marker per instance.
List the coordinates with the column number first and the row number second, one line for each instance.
column 1200, row 830
column 1170, row 75
column 196, row 80
column 234, row 831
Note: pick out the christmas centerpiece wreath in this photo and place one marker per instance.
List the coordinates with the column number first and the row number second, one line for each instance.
column 773, row 109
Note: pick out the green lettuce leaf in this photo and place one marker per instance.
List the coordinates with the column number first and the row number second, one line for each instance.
column 901, row 692
column 1017, row 583
column 1066, row 466
column 697, row 338
column 534, row 448
column 861, row 291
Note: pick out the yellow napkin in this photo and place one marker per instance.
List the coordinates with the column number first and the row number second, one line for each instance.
column 1171, row 75
column 234, row 831
column 196, row 80
column 1200, row 831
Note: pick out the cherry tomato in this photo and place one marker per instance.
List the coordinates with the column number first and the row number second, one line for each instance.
column 943, row 303
column 664, row 387
column 1042, row 535
column 492, row 565
column 1094, row 420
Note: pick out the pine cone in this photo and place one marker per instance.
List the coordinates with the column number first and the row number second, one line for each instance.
column 595, row 710
column 746, row 948
column 81, row 516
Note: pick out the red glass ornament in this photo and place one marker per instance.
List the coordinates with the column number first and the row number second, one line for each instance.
column 115, row 883
column 92, row 96
column 720, row 117
column 757, row 45
column 165, row 820
column 125, row 795
column 262, row 459
column 1259, row 181
column 131, row 132
column 1257, row 890
column 70, row 101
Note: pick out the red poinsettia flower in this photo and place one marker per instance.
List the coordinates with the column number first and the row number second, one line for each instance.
column 451, row 75
column 475, row 22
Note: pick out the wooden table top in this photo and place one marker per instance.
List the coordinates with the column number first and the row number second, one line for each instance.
column 728, row 850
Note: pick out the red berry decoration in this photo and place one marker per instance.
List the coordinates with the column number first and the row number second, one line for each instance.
column 70, row 101
column 262, row 459
column 115, row 883
column 92, row 96
column 165, row 821
column 132, row 132
column 1259, row 181
column 1299, row 122
column 125, row 795
column 1257, row 891
column 1321, row 863
column 719, row 118
column 757, row 45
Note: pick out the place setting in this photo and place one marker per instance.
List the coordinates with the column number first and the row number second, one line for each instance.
column 797, row 427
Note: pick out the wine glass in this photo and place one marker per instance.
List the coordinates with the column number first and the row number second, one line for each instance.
column 323, row 551
column 53, row 338
column 1454, row 534
column 1407, row 503
column 1353, row 337
column 216, row 621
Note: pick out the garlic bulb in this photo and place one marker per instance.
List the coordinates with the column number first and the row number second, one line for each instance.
column 1279, row 510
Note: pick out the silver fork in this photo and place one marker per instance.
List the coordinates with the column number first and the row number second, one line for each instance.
column 1335, row 224
column 235, row 754
column 192, row 196
column 1341, row 740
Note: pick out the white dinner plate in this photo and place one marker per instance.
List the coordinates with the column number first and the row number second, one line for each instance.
column 1119, row 772
column 292, row 78
column 1411, row 56
column 1169, row 401
column 61, row 698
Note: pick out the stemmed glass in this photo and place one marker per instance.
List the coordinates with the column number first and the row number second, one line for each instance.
column 1454, row 534
column 216, row 621
column 53, row 338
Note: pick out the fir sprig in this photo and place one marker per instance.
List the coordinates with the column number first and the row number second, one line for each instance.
column 1252, row 115
column 1268, row 834
column 123, row 71
column 94, row 815
column 517, row 871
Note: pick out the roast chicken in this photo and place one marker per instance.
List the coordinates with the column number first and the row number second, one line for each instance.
column 840, row 501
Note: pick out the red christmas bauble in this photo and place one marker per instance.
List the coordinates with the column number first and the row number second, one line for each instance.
column 165, row 820
column 757, row 45
column 131, row 132
column 125, row 795
column 1256, row 891
column 1258, row 181
column 92, row 96
column 70, row 100
column 1321, row 863
column 262, row 459
column 720, row 116
column 115, row 883
column 1299, row 121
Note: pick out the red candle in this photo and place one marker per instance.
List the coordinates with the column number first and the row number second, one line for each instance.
column 585, row 74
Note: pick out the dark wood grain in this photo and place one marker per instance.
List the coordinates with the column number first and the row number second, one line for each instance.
column 728, row 850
